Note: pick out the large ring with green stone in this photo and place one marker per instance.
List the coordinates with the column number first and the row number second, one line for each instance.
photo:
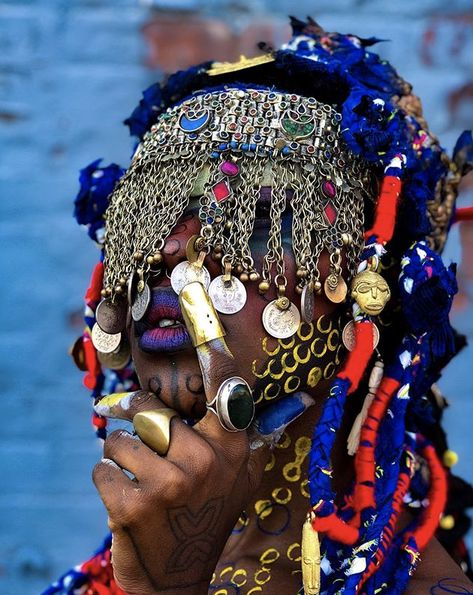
column 233, row 404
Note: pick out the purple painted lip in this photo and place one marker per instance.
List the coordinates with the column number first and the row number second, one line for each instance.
column 162, row 328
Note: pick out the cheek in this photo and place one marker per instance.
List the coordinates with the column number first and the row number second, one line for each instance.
column 306, row 361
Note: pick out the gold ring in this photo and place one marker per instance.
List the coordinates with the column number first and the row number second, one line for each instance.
column 154, row 428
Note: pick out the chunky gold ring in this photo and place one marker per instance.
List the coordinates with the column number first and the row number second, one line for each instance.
column 233, row 404
column 154, row 428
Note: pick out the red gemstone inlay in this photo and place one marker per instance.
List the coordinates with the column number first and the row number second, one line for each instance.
column 328, row 188
column 330, row 213
column 221, row 191
column 229, row 168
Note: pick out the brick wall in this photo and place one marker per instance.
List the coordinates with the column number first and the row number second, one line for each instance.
column 69, row 73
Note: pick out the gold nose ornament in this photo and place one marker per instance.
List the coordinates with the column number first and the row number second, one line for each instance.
column 154, row 428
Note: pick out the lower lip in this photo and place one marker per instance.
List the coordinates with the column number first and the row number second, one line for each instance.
column 164, row 339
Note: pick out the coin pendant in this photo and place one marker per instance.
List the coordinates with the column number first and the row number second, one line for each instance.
column 141, row 303
column 349, row 338
column 118, row 359
column 227, row 297
column 335, row 288
column 185, row 273
column 131, row 289
column 307, row 303
column 104, row 342
column 281, row 324
column 111, row 316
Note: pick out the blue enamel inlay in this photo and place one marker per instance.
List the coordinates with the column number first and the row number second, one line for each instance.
column 188, row 125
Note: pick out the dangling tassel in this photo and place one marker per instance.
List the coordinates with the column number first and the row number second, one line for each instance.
column 310, row 558
column 373, row 383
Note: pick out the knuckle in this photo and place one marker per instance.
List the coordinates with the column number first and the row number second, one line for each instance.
column 113, row 440
column 142, row 400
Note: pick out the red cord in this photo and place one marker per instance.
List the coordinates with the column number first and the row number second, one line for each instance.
column 92, row 295
column 464, row 214
column 358, row 359
column 385, row 218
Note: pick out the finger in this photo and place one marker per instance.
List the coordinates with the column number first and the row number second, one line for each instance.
column 112, row 483
column 126, row 406
column 130, row 453
column 216, row 363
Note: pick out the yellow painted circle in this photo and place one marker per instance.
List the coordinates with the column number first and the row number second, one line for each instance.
column 292, row 472
column 333, row 339
column 271, row 391
column 263, row 508
column 302, row 359
column 264, row 345
column 310, row 332
column 289, row 344
column 314, row 377
column 285, row 441
column 320, row 328
column 294, row 552
column 269, row 556
column 292, row 384
column 305, row 488
column 329, row 370
column 239, row 577
column 270, row 464
column 266, row 576
column 282, row 495
column 313, row 347
column 289, row 367
column 275, row 375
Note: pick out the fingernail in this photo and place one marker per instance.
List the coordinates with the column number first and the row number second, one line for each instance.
column 106, row 404
column 109, row 462
column 274, row 419
column 200, row 317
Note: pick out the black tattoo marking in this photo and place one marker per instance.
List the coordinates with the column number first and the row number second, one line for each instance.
column 174, row 385
column 449, row 585
column 155, row 385
column 196, row 534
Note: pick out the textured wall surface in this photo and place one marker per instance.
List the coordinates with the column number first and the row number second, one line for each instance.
column 70, row 71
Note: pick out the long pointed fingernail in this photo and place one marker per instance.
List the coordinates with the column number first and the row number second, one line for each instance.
column 108, row 404
column 201, row 319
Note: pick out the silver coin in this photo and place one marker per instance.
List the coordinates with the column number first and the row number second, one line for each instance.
column 227, row 298
column 281, row 324
column 348, row 335
column 307, row 303
column 141, row 303
column 186, row 272
column 105, row 342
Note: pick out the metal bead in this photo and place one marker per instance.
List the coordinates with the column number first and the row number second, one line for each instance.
column 301, row 273
column 239, row 269
column 157, row 258
column 281, row 289
column 138, row 256
column 122, row 281
column 299, row 289
column 317, row 286
column 149, row 259
column 254, row 276
column 103, row 292
column 347, row 239
column 244, row 277
column 118, row 289
column 216, row 256
column 263, row 286
column 108, row 292
column 228, row 224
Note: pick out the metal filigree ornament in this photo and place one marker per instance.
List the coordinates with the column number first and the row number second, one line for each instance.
column 228, row 149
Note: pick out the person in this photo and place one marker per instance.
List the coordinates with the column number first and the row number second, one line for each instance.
column 271, row 314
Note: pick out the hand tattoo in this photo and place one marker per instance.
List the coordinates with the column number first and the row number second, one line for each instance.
column 196, row 534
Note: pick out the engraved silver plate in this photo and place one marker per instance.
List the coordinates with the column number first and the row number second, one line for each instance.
column 103, row 341
column 186, row 272
column 348, row 335
column 281, row 324
column 141, row 303
column 227, row 297
column 307, row 303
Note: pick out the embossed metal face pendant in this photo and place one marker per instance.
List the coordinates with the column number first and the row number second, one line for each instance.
column 371, row 292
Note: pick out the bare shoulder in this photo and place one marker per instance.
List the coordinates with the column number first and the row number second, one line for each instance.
column 438, row 574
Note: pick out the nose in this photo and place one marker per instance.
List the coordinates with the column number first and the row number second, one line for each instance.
column 374, row 292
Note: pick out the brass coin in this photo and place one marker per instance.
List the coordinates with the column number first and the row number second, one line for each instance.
column 141, row 303
column 111, row 316
column 187, row 272
column 281, row 324
column 307, row 303
column 336, row 293
column 227, row 297
column 118, row 359
column 104, row 342
column 348, row 336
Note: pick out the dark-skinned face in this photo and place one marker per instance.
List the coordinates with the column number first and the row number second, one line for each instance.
column 166, row 362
